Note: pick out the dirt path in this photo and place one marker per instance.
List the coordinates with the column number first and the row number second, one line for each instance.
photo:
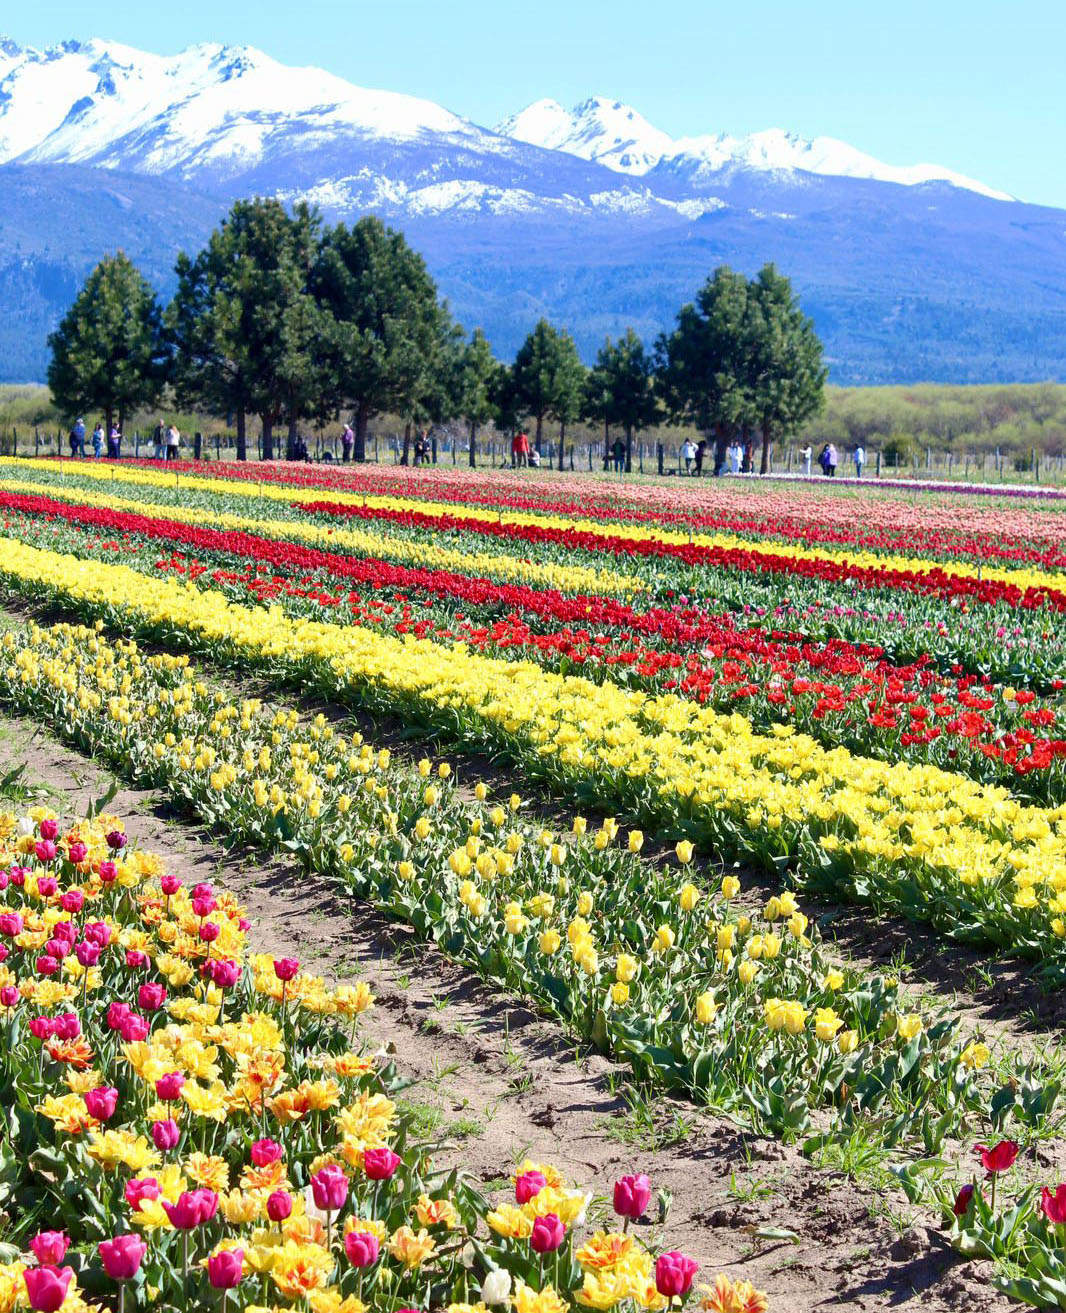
column 497, row 1083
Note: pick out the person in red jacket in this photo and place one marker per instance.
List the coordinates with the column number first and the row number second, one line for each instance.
column 519, row 450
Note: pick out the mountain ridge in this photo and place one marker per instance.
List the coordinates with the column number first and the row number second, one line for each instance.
column 600, row 222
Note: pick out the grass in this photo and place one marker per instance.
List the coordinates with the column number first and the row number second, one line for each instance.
column 646, row 1126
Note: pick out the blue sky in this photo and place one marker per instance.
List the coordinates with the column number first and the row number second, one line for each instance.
column 978, row 86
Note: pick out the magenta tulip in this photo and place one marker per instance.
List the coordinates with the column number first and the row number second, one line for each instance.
column 380, row 1164
column 225, row 1269
column 548, row 1234
column 631, row 1196
column 47, row 1287
column 50, row 1247
column 102, row 1102
column 362, row 1248
column 122, row 1256
column 674, row 1273
column 330, row 1189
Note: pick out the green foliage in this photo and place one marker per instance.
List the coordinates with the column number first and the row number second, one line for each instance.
column 548, row 377
column 620, row 389
column 108, row 352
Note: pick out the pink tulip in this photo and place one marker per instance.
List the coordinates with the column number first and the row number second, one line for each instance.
column 108, row 872
column 10, row 924
column 265, row 1152
column 285, row 968
column 380, row 1164
column 141, row 1188
column 528, row 1186
column 72, row 901
column 362, row 1248
column 134, row 1028
column 57, row 948
column 47, row 885
column 224, row 972
column 9, row 996
column 193, row 1207
column 48, row 829
column 279, row 1205
column 65, row 930
column 116, row 1015
column 47, row 1287
column 97, row 932
column 136, row 959
column 66, row 1026
column 77, row 852
column 674, row 1273
column 631, row 1196
column 122, row 1256
column 45, row 850
column 330, row 1189
column 47, row 966
column 165, row 1134
column 169, row 1087
column 225, row 1269
column 209, row 932
column 87, row 954
column 548, row 1233
column 50, row 1247
column 102, row 1102
column 151, row 996
column 170, row 884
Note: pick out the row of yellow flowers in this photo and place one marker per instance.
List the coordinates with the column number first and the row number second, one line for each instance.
column 937, row 843
column 278, row 492
column 367, row 541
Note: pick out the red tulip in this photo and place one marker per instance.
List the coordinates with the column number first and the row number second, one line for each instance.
column 169, row 1087
column 122, row 1256
column 1053, row 1204
column 998, row 1159
column 963, row 1201
column 285, row 968
column 279, row 1206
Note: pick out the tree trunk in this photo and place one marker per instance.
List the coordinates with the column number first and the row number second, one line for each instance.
column 629, row 448
column 267, row 422
column 540, row 433
column 109, row 414
column 242, row 439
column 290, row 445
column 405, row 459
column 562, row 443
column 606, row 444
column 764, row 464
column 473, row 435
column 721, row 441
column 362, row 422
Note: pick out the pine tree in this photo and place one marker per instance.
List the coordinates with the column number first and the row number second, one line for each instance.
column 568, row 388
column 786, row 377
column 109, row 352
column 477, row 375
column 533, row 375
column 624, row 388
column 702, row 367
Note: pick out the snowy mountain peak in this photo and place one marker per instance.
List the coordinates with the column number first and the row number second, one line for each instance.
column 616, row 135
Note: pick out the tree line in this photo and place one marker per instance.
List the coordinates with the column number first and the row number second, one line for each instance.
column 285, row 319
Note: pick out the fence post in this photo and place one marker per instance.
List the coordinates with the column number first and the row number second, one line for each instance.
column 36, row 441
column 433, row 446
column 197, row 445
column 589, row 450
column 218, row 447
column 879, row 462
column 641, row 451
column 660, row 455
column 1036, row 465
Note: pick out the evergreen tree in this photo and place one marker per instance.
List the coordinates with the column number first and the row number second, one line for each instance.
column 477, row 376
column 568, row 388
column 624, row 387
column 786, row 377
column 242, row 321
column 390, row 332
column 533, row 375
column 702, row 367
column 109, row 352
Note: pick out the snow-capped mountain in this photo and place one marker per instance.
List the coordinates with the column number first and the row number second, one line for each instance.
column 616, row 135
column 592, row 217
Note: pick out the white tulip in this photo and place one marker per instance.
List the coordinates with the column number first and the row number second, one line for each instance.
column 496, row 1288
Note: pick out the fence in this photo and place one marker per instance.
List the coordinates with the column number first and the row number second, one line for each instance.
column 663, row 458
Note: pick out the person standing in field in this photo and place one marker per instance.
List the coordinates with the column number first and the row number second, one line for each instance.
column 701, row 451
column 519, row 450
column 159, row 440
column 173, row 442
column 618, row 453
column 688, row 454
column 114, row 442
column 831, row 461
column 860, row 460
column 347, row 443
column 805, row 456
column 98, row 439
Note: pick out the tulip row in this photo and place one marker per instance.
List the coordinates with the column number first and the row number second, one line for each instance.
column 1027, row 588
column 837, row 692
column 1011, row 645
column 742, row 1010
column 220, row 1137
column 916, row 839
column 743, row 514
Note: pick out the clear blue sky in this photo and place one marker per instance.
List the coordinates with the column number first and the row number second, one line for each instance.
column 979, row 87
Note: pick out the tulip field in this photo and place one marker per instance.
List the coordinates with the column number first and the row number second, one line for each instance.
column 647, row 736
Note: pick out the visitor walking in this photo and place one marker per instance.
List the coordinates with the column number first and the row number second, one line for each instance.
column 701, row 451
column 805, row 456
column 114, row 442
column 77, row 438
column 618, row 455
column 688, row 454
column 173, row 442
column 831, row 461
column 159, row 440
column 519, row 450
column 98, row 440
column 347, row 443
column 860, row 460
